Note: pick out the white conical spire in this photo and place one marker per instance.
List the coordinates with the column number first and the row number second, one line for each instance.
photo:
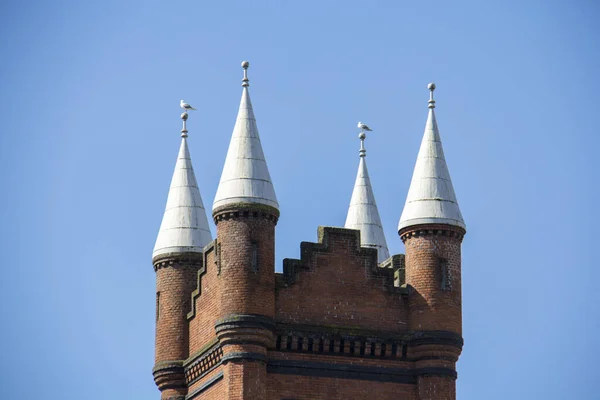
column 431, row 198
column 245, row 177
column 362, row 213
column 184, row 227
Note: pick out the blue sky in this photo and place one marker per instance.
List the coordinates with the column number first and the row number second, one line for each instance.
column 89, row 111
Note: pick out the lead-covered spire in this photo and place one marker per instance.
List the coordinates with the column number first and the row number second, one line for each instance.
column 362, row 213
column 184, row 226
column 431, row 198
column 245, row 178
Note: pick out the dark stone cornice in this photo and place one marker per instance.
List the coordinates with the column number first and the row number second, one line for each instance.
column 244, row 356
column 245, row 210
column 432, row 230
column 177, row 259
column 169, row 375
column 244, row 321
column 411, row 338
column 352, row 371
column 242, row 329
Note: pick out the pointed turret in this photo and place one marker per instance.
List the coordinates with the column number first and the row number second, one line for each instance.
column 362, row 213
column 246, row 213
column 245, row 178
column 177, row 258
column 184, row 226
column 432, row 230
column 431, row 198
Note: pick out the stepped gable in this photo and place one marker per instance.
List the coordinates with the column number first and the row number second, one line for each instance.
column 336, row 282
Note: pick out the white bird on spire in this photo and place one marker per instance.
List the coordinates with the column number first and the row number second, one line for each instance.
column 364, row 127
column 186, row 106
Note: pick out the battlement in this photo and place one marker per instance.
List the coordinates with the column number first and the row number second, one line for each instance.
column 338, row 282
column 329, row 240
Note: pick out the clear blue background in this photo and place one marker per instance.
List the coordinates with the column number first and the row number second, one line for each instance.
column 89, row 117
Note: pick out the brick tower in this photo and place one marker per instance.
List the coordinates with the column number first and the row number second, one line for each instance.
column 344, row 321
column 245, row 211
column 177, row 257
column 432, row 229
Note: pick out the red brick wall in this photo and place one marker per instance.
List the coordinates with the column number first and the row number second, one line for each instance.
column 341, row 288
column 433, row 270
column 431, row 307
column 207, row 310
column 246, row 290
column 315, row 388
column 215, row 391
column 436, row 388
column 281, row 355
column 241, row 382
column 246, row 380
column 174, row 283
column 247, row 258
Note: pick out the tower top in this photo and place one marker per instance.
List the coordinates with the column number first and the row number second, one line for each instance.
column 431, row 198
column 184, row 226
column 245, row 178
column 363, row 213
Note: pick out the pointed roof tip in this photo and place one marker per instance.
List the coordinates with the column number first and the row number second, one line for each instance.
column 362, row 152
column 245, row 66
column 431, row 198
column 245, row 178
column 362, row 212
column 431, row 101
column 184, row 131
column 184, row 227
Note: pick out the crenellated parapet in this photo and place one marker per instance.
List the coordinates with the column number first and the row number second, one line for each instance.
column 328, row 240
column 336, row 282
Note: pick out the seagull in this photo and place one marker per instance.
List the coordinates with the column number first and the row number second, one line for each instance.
column 186, row 106
column 364, row 127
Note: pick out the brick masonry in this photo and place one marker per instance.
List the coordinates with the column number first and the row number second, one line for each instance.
column 333, row 325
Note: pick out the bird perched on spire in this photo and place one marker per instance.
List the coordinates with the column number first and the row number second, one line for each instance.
column 186, row 106
column 364, row 127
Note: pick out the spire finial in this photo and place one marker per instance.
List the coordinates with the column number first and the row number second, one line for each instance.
column 431, row 88
column 245, row 81
column 184, row 131
column 362, row 136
